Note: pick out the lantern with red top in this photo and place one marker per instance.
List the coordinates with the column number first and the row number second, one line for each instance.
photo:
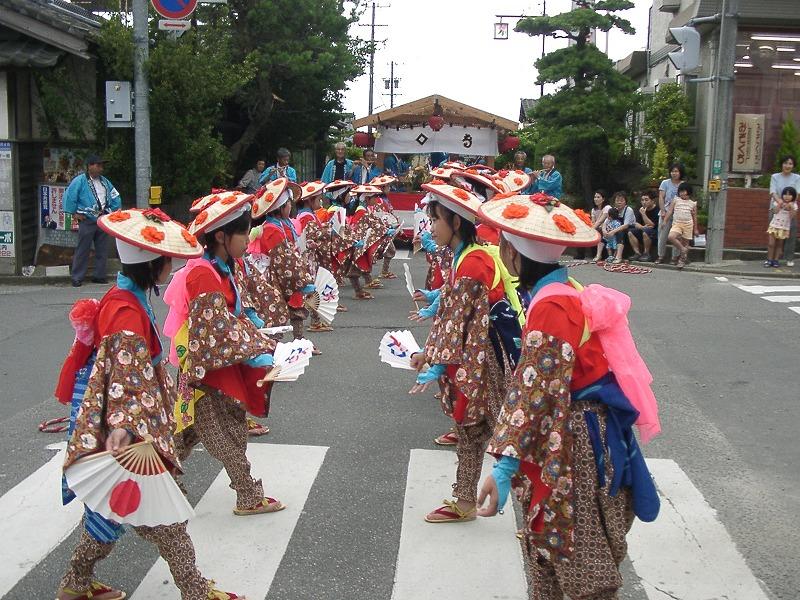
column 436, row 120
column 363, row 139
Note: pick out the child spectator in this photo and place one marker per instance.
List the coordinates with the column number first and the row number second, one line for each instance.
column 611, row 229
column 599, row 216
column 645, row 231
column 683, row 214
column 785, row 211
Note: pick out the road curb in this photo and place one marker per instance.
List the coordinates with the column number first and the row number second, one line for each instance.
column 711, row 270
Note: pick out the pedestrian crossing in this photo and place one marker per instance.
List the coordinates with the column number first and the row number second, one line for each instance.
column 687, row 553
column 779, row 294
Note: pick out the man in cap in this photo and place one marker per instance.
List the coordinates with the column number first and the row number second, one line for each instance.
column 88, row 196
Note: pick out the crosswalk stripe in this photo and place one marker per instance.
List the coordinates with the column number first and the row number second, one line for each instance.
column 795, row 309
column 768, row 289
column 782, row 299
column 453, row 560
column 673, row 556
column 34, row 521
column 403, row 255
column 242, row 554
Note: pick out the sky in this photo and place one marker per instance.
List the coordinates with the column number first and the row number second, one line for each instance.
column 446, row 47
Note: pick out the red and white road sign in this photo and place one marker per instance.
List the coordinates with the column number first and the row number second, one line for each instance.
column 174, row 25
column 174, row 9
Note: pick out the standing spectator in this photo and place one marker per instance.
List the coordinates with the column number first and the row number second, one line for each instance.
column 339, row 167
column 548, row 180
column 778, row 182
column 279, row 169
column 645, row 230
column 599, row 215
column 682, row 214
column 88, row 196
column 249, row 181
column 667, row 192
column 366, row 170
column 785, row 215
column 520, row 158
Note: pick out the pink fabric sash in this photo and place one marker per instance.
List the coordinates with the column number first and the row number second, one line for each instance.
column 606, row 312
column 177, row 298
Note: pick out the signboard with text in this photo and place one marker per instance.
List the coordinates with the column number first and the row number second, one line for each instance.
column 748, row 143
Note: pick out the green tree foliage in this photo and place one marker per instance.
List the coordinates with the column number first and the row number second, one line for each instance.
column 790, row 143
column 667, row 116
column 302, row 57
column 659, row 166
column 190, row 77
column 584, row 122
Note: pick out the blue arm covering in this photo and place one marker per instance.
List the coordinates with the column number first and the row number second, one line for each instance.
column 390, row 232
column 432, row 374
column 430, row 311
column 427, row 242
column 308, row 289
column 504, row 469
column 264, row 360
column 430, row 295
column 254, row 318
column 359, row 244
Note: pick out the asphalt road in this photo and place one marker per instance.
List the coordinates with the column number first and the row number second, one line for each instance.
column 725, row 369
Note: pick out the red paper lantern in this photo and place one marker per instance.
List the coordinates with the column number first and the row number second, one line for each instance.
column 363, row 139
column 509, row 143
column 436, row 122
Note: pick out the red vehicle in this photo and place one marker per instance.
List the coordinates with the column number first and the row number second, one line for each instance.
column 404, row 204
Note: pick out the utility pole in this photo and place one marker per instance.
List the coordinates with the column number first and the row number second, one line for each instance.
column 371, row 57
column 723, row 120
column 391, row 85
column 544, row 37
column 142, row 107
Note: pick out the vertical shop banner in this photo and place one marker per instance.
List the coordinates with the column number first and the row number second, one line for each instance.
column 748, row 143
column 6, row 176
column 52, row 215
column 7, row 234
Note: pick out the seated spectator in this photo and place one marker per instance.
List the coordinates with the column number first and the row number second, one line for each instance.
column 599, row 215
column 644, row 232
column 612, row 228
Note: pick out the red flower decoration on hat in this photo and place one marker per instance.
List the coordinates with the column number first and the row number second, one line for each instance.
column 152, row 235
column 583, row 216
column 230, row 199
column 459, row 193
column 503, row 195
column 310, row 188
column 520, row 171
column 201, row 218
column 196, row 202
column 279, row 180
column 255, row 206
column 545, row 201
column 190, row 239
column 519, row 180
column 437, row 182
column 157, row 215
column 218, row 191
column 515, row 211
column 503, row 173
column 564, row 224
column 119, row 216
column 269, row 197
column 440, row 171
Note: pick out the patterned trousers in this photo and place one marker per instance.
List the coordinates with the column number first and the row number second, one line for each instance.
column 470, row 449
column 173, row 543
column 296, row 318
column 221, row 424
column 601, row 525
column 388, row 255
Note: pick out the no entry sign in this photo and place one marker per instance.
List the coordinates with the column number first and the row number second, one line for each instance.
column 174, row 9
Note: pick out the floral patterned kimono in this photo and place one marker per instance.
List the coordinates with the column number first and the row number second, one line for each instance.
column 288, row 269
column 366, row 226
column 128, row 388
column 473, row 380
column 260, row 296
column 581, row 497
column 222, row 359
column 320, row 234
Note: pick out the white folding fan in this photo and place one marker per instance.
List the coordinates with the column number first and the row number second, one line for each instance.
column 290, row 360
column 301, row 242
column 409, row 281
column 325, row 298
column 396, row 348
column 133, row 487
column 422, row 223
column 279, row 330
column 339, row 218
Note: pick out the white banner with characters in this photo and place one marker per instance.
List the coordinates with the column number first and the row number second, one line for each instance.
column 452, row 140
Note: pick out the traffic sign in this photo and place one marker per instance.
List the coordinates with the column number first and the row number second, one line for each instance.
column 174, row 25
column 174, row 9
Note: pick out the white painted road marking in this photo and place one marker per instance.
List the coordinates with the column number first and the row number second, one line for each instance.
column 427, row 569
column 242, row 554
column 721, row 278
column 795, row 309
column 768, row 289
column 402, row 255
column 34, row 521
column 687, row 553
column 783, row 299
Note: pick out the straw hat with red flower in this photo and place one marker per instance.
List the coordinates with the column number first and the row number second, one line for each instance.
column 462, row 202
column 145, row 234
column 274, row 195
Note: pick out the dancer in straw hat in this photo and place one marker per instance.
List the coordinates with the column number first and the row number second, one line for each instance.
column 459, row 349
column 128, row 397
column 221, row 367
column 381, row 206
column 566, row 422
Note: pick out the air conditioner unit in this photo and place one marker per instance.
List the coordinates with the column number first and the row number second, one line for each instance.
column 670, row 6
column 648, row 89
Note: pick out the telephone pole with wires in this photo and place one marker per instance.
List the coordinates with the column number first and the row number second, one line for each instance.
column 391, row 84
column 372, row 25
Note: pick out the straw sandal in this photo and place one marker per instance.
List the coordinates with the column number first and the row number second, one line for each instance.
column 96, row 591
column 364, row 295
column 267, row 505
column 319, row 327
column 451, row 513
column 447, row 439
column 388, row 275
column 255, row 429
column 375, row 284
column 341, row 308
column 215, row 594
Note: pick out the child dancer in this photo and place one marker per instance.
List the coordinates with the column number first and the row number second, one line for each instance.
column 566, row 422
column 458, row 348
column 220, row 366
column 343, row 242
column 129, row 397
column 386, row 250
column 779, row 227
column 368, row 225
